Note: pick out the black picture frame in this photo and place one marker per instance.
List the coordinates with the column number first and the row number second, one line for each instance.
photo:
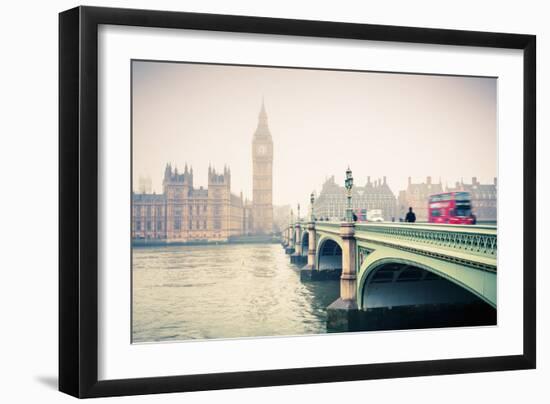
column 78, row 201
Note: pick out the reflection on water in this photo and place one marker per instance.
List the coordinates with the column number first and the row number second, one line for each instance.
column 224, row 291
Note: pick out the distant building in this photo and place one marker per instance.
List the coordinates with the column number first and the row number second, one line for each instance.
column 484, row 198
column 183, row 213
column 331, row 202
column 416, row 196
column 148, row 216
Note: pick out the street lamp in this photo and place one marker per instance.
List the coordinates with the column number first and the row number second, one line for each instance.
column 312, row 199
column 291, row 217
column 298, row 218
column 349, row 186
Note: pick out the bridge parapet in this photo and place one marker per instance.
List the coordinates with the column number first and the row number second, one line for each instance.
column 471, row 245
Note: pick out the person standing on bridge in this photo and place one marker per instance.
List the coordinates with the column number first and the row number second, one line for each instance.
column 411, row 217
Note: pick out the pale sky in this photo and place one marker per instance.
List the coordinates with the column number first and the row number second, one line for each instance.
column 396, row 125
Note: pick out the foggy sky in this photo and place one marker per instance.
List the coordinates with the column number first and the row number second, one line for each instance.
column 396, row 125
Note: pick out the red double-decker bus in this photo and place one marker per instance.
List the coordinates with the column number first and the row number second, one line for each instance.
column 361, row 214
column 451, row 208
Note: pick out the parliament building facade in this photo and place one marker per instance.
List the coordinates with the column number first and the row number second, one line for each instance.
column 332, row 201
column 184, row 213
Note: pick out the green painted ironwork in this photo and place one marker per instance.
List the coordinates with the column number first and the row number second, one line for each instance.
column 475, row 240
column 362, row 254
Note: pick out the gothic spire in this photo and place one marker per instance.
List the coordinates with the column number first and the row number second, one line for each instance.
column 263, row 114
column 263, row 129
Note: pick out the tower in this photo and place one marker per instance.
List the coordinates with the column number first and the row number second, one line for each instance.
column 219, row 198
column 262, row 177
column 177, row 188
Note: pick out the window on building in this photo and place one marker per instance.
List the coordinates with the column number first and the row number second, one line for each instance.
column 138, row 225
column 148, row 225
column 159, row 226
column 177, row 224
column 148, row 210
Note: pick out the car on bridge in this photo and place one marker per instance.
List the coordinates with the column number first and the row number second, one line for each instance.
column 451, row 208
column 375, row 215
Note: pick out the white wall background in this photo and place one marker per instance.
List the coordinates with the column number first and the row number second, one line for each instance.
column 28, row 200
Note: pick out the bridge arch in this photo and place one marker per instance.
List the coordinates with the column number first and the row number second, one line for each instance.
column 378, row 270
column 329, row 255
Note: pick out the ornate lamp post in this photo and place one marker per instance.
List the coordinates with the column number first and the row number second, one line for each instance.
column 349, row 186
column 298, row 218
column 311, row 200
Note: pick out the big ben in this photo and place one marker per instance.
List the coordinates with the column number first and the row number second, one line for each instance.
column 262, row 177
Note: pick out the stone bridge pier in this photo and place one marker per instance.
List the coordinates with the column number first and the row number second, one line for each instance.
column 342, row 314
column 289, row 248
column 297, row 257
column 311, row 250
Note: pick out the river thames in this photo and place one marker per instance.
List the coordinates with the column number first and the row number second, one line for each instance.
column 223, row 291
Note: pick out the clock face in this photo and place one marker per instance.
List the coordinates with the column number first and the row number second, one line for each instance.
column 262, row 150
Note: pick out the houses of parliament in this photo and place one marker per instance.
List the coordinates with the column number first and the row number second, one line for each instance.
column 184, row 213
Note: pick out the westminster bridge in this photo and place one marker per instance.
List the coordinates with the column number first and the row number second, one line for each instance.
column 399, row 275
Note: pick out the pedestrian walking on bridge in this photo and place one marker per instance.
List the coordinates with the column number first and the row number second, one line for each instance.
column 411, row 217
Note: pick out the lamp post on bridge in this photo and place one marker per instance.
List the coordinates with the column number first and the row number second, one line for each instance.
column 288, row 229
column 296, row 257
column 311, row 215
column 349, row 185
column 290, row 248
column 309, row 271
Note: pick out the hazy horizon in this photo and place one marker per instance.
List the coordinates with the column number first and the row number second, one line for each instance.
column 379, row 124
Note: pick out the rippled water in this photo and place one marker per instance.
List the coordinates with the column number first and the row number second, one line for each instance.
column 224, row 291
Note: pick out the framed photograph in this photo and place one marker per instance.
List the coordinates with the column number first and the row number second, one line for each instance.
column 250, row 201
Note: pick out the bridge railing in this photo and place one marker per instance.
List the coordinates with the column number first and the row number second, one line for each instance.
column 477, row 240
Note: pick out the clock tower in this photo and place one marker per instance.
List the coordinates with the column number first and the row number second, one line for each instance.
column 262, row 177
